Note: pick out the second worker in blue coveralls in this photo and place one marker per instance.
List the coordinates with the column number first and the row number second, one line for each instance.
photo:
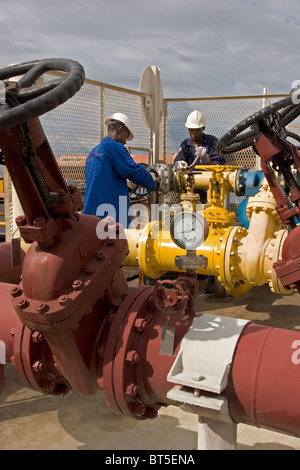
column 199, row 149
column 107, row 169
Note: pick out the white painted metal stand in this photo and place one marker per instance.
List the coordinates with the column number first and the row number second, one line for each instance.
column 200, row 372
column 216, row 435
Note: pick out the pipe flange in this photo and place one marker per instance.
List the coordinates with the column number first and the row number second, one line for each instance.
column 230, row 274
column 34, row 362
column 133, row 386
column 263, row 201
column 121, row 355
column 146, row 250
column 276, row 255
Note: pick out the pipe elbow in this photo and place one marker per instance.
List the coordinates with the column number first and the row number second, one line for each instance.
column 262, row 245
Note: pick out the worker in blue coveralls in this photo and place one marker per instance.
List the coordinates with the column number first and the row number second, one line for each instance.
column 199, row 149
column 107, row 169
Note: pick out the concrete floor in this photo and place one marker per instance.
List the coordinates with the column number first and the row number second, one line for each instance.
column 32, row 421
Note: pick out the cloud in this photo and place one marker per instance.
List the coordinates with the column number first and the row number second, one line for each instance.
column 203, row 48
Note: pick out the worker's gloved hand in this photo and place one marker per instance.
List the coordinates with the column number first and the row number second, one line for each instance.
column 201, row 152
column 154, row 173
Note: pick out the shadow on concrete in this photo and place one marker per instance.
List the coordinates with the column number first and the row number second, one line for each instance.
column 75, row 421
column 260, row 305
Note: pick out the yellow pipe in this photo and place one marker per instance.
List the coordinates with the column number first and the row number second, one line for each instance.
column 240, row 258
column 203, row 174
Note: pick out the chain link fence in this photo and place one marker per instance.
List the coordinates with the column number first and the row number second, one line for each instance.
column 221, row 113
column 78, row 125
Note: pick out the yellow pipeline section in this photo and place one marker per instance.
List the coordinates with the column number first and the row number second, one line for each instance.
column 239, row 258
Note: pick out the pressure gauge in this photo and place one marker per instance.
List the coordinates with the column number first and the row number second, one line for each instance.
column 188, row 230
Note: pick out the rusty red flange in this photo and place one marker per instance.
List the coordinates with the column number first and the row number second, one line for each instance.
column 288, row 269
column 35, row 364
column 135, row 371
column 108, row 363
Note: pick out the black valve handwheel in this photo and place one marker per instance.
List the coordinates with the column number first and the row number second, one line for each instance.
column 235, row 139
column 30, row 101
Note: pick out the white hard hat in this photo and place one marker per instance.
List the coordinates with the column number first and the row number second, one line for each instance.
column 195, row 120
column 124, row 120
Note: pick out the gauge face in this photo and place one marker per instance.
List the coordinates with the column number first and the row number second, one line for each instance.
column 187, row 230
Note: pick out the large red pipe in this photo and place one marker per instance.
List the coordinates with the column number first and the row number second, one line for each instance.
column 265, row 379
column 9, row 320
column 8, row 272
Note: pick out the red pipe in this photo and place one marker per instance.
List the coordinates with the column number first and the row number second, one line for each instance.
column 9, row 320
column 8, row 273
column 265, row 379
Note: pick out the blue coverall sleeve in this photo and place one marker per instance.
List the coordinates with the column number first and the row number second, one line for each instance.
column 180, row 156
column 126, row 167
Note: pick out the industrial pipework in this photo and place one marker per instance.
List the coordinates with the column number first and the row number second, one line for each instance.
column 73, row 323
column 240, row 258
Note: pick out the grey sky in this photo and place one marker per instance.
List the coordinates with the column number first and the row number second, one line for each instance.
column 202, row 47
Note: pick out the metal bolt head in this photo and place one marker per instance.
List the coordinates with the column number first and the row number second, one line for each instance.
column 63, row 300
column 140, row 324
column 77, row 285
column 100, row 382
column 89, row 270
column 100, row 255
column 42, row 308
column 21, row 221
column 22, row 304
column 131, row 389
column 38, row 366
column 198, row 377
column 132, row 357
column 37, row 337
column 15, row 291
